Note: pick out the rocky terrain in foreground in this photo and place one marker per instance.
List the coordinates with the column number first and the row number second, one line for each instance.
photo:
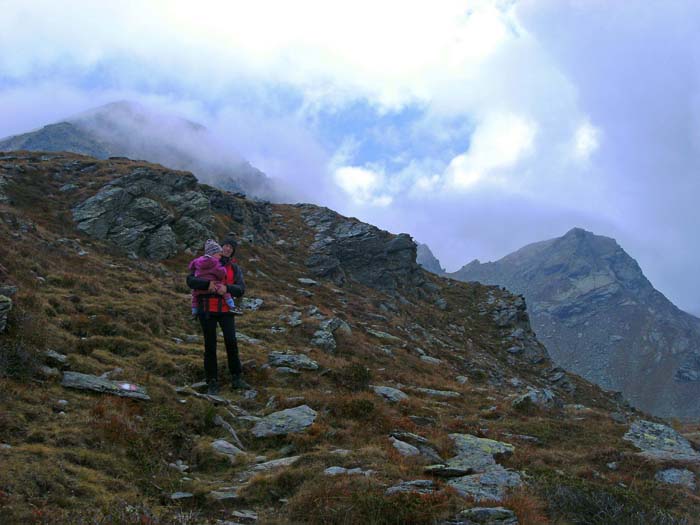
column 600, row 317
column 381, row 392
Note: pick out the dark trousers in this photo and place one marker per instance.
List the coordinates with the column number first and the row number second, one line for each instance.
column 228, row 326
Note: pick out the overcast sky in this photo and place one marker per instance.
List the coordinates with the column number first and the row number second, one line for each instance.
column 475, row 126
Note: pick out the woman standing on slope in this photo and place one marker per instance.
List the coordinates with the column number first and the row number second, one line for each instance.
column 213, row 310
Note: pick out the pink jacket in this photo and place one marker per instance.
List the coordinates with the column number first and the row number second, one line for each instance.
column 207, row 268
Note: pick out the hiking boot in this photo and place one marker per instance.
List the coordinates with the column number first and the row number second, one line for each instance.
column 213, row 387
column 237, row 383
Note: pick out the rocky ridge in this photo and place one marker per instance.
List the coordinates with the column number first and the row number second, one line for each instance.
column 599, row 316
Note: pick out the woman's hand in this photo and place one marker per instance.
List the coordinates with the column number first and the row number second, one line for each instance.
column 221, row 289
column 212, row 287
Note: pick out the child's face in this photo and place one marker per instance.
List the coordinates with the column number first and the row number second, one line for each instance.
column 217, row 255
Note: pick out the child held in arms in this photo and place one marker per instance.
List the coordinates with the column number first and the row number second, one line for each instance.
column 209, row 267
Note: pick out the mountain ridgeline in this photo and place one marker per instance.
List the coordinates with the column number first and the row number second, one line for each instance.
column 600, row 317
column 128, row 129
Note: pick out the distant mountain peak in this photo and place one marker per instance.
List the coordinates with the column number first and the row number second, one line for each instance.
column 425, row 257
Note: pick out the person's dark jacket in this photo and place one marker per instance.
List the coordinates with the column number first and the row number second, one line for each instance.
column 237, row 289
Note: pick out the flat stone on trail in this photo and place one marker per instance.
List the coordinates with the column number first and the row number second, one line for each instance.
column 484, row 516
column 102, row 385
column 307, row 281
column 284, row 422
column 275, row 464
column 660, row 442
column 302, row 361
column 676, row 476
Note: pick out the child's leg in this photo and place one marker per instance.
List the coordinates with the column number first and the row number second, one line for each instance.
column 229, row 300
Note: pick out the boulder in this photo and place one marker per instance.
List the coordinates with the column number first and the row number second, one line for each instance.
column 660, row 442
column 484, row 516
column 489, row 485
column 437, row 393
column 543, row 398
column 284, row 422
column 324, row 340
column 404, row 448
column 221, row 446
column 420, row 486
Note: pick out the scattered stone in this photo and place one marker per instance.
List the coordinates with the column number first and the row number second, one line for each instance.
column 301, row 361
column 419, row 442
column 286, row 370
column 324, row 340
column 484, row 516
column 307, row 282
column 224, row 494
column 177, row 496
column 337, row 471
column 383, row 335
column 56, row 358
column 62, row 402
column 430, row 360
column 462, row 380
column 293, row 319
column 660, row 442
column 252, row 303
column 619, row 417
column 675, row 476
column 275, row 464
column 423, row 421
column 5, row 446
column 192, row 338
column 105, row 386
column 177, row 340
column 336, row 325
column 420, row 486
column 404, row 448
column 179, row 465
column 305, row 293
column 246, row 515
column 613, row 465
column 49, row 372
column 250, row 340
column 284, row 422
column 390, row 394
column 489, row 485
column 543, row 398
column 437, row 393
column 221, row 446
column 277, row 329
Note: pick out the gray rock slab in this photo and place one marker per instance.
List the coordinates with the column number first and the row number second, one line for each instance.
column 252, row 303
column 342, row 471
column 325, row 340
column 430, row 360
column 489, row 485
column 102, row 385
column 484, row 516
column 307, row 282
column 5, row 307
column 284, row 422
column 275, row 464
column 421, row 486
column 56, row 358
column 660, row 442
column 383, row 335
column 390, row 394
column 299, row 361
column 176, row 496
column 221, row 446
column 543, row 398
column 675, row 476
column 404, row 448
column 437, row 393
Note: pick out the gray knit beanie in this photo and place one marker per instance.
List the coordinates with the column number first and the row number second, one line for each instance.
column 211, row 247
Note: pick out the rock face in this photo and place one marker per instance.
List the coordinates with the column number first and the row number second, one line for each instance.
column 599, row 316
column 278, row 359
column 285, row 422
column 154, row 213
column 427, row 260
column 659, row 442
column 127, row 129
column 346, row 248
column 675, row 476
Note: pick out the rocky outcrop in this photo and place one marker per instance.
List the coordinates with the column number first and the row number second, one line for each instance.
column 155, row 213
column 660, row 442
column 598, row 316
column 103, row 385
column 345, row 248
column 284, row 422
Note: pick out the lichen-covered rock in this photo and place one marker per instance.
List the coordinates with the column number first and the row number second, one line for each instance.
column 324, row 340
column 404, row 448
column 279, row 359
column 221, row 446
column 489, row 485
column 419, row 486
column 484, row 516
column 284, row 422
column 660, row 442
column 676, row 476
column 543, row 398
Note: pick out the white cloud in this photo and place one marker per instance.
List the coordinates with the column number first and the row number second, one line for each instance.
column 586, row 141
column 500, row 142
column 362, row 185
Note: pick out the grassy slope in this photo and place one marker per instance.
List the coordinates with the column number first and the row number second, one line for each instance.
column 105, row 311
